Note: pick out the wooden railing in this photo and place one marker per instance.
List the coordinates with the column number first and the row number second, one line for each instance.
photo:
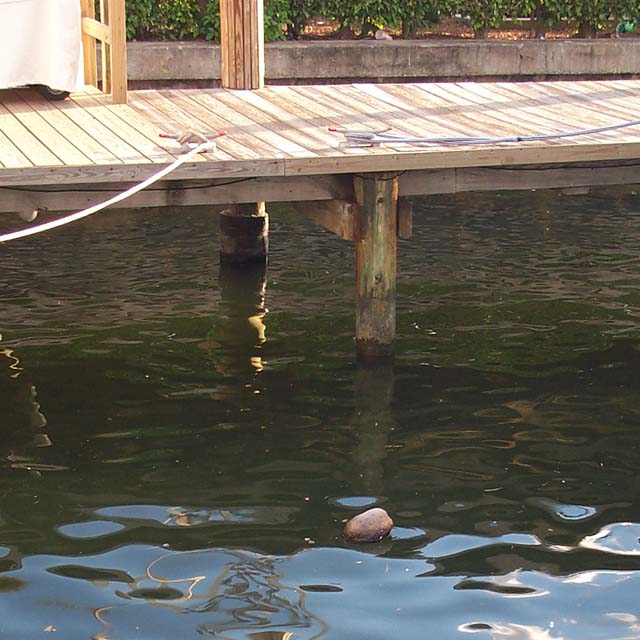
column 242, row 43
column 111, row 31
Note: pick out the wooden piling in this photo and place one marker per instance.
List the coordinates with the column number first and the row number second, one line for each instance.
column 242, row 43
column 376, row 240
column 244, row 234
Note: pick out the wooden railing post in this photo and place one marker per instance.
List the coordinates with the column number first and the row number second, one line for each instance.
column 242, row 43
column 117, row 22
column 89, row 45
column 111, row 30
column 105, row 50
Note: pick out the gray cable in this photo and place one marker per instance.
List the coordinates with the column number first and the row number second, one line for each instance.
column 361, row 138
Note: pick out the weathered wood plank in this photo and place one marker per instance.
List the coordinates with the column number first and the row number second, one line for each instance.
column 242, row 43
column 620, row 107
column 174, row 194
column 95, row 128
column 167, row 118
column 75, row 134
column 89, row 44
column 23, row 139
column 314, row 138
column 240, row 147
column 11, row 156
column 428, row 182
column 337, row 216
column 118, row 29
column 550, row 118
column 48, row 135
column 257, row 125
column 498, row 115
column 104, row 174
column 127, row 124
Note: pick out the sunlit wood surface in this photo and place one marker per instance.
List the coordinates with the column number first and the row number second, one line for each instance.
column 284, row 131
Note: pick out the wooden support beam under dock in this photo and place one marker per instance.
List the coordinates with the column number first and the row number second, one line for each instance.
column 278, row 146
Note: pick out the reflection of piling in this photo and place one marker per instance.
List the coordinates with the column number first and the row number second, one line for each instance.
column 241, row 330
column 371, row 423
column 19, row 397
column 244, row 234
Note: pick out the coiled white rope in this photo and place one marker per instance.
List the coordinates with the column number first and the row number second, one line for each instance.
column 59, row 222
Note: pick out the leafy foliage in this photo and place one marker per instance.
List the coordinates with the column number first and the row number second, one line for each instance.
column 188, row 19
column 164, row 19
column 185, row 19
column 595, row 14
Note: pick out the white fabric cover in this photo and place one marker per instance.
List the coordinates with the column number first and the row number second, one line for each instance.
column 41, row 43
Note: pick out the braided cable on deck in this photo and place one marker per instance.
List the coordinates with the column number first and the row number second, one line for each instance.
column 368, row 138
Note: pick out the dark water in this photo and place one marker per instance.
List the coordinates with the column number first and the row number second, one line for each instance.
column 179, row 447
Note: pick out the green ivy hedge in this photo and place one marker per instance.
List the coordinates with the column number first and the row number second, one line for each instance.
column 188, row 19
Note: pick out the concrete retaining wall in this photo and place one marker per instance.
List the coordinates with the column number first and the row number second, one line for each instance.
column 370, row 60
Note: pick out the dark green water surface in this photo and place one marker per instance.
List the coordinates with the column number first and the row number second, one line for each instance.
column 180, row 446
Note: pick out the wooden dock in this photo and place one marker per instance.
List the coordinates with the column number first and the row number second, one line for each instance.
column 280, row 135
column 62, row 156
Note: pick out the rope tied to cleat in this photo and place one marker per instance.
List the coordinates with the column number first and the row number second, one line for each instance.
column 191, row 138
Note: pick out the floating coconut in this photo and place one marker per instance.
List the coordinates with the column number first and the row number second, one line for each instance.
column 371, row 526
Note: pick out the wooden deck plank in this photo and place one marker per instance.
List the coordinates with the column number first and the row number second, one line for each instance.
column 497, row 123
column 37, row 153
column 312, row 119
column 87, row 121
column 620, row 107
column 526, row 119
column 10, row 156
column 171, row 118
column 280, row 136
column 283, row 131
column 581, row 101
column 495, row 107
column 297, row 118
column 322, row 118
column 566, row 117
column 215, row 117
column 250, row 132
column 428, row 104
column 356, row 111
column 255, row 140
column 405, row 117
column 74, row 133
column 121, row 120
column 48, row 135
column 337, row 115
column 417, row 118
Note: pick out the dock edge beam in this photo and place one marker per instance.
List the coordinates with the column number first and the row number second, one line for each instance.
column 376, row 249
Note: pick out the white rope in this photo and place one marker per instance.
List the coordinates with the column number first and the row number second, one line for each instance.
column 47, row 226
